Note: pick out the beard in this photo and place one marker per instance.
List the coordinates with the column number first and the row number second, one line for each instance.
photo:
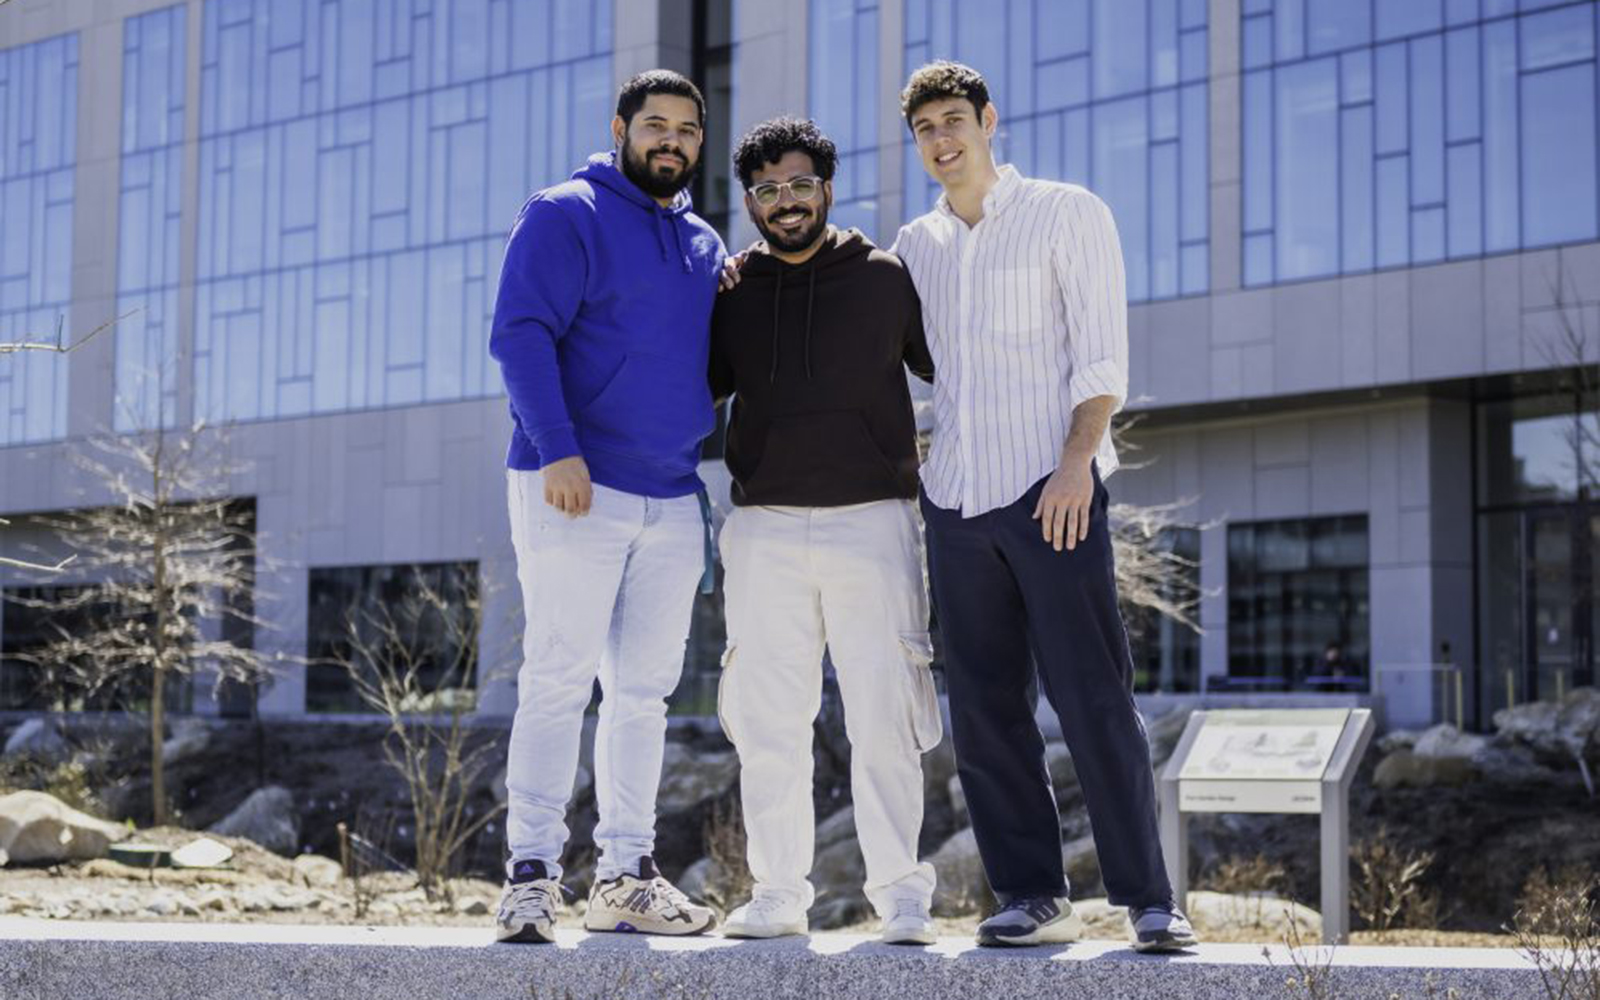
column 648, row 176
column 808, row 233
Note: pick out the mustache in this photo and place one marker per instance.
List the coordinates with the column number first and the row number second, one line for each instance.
column 665, row 151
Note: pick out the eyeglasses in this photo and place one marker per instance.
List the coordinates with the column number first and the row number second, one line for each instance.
column 803, row 188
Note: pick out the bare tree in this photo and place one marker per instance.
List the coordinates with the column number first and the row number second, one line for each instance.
column 415, row 661
column 169, row 563
column 1151, row 574
column 59, row 346
column 1568, row 349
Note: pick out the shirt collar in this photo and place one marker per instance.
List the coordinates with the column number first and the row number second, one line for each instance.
column 999, row 196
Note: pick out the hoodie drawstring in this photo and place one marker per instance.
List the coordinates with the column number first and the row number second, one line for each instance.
column 777, row 310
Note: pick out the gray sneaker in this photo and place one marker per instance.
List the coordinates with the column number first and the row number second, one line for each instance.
column 1038, row 920
column 1160, row 928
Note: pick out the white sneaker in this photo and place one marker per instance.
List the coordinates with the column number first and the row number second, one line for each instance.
column 910, row 923
column 768, row 915
column 528, row 909
column 1037, row 920
column 644, row 903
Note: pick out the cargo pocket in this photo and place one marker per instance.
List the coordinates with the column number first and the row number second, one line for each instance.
column 922, row 696
column 723, row 693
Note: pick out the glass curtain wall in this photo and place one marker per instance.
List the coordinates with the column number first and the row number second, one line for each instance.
column 844, row 101
column 360, row 166
column 150, row 219
column 1384, row 134
column 1110, row 94
column 38, row 152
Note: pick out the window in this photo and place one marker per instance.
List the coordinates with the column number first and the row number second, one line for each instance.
column 34, row 617
column 1298, row 605
column 714, row 197
column 1390, row 134
column 1166, row 653
column 1110, row 94
column 360, row 167
column 844, row 101
column 149, row 223
column 38, row 149
column 420, row 620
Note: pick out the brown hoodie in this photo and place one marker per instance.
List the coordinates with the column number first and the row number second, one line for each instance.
column 814, row 355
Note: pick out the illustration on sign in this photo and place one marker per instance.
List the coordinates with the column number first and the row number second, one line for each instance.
column 1264, row 745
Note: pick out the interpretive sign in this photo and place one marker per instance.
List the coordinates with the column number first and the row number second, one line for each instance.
column 1290, row 760
column 1260, row 761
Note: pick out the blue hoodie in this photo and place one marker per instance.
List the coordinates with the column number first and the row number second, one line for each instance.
column 602, row 331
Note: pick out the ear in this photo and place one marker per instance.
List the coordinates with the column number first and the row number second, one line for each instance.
column 619, row 131
column 990, row 119
column 827, row 194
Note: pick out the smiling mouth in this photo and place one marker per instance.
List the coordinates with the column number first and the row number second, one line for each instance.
column 789, row 218
column 947, row 158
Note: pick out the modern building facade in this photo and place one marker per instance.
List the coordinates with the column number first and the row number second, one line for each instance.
column 1362, row 242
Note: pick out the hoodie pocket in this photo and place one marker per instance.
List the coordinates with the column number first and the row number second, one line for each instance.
column 922, row 695
column 652, row 407
column 811, row 449
column 725, row 694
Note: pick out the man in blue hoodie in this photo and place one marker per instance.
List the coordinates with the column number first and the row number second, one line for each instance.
column 602, row 333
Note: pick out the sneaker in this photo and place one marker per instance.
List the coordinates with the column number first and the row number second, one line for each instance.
column 767, row 915
column 1160, row 928
column 528, row 905
column 1039, row 920
column 910, row 923
column 644, row 903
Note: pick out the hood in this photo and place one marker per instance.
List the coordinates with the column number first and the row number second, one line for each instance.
column 839, row 246
column 602, row 170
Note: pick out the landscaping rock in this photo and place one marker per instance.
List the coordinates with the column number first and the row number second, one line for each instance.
column 190, row 738
column 1561, row 731
column 958, row 801
column 39, row 739
column 840, row 826
column 318, row 872
column 36, row 827
column 689, row 778
column 1404, row 769
column 268, row 818
column 961, row 887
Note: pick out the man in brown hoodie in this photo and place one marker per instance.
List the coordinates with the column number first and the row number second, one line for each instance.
column 823, row 547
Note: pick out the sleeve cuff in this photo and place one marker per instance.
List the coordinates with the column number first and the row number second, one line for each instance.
column 555, row 444
column 1103, row 378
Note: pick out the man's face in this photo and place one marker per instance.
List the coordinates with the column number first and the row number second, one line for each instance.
column 660, row 148
column 953, row 139
column 790, row 223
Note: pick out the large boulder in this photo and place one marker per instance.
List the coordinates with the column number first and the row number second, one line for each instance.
column 1058, row 761
column 190, row 738
column 1163, row 734
column 1405, row 769
column 1564, row 731
column 1082, row 865
column 958, row 802
column 962, row 887
column 39, row 828
column 268, row 817
column 837, row 874
column 39, row 739
column 689, row 778
column 838, row 827
column 1445, row 740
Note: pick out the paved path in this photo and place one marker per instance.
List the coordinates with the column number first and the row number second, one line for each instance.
column 56, row 960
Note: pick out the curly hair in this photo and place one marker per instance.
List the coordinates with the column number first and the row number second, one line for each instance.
column 632, row 95
column 767, row 142
column 939, row 80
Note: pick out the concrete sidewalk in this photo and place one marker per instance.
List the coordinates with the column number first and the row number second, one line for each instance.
column 52, row 960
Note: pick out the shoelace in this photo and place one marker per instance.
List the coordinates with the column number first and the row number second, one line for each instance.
column 766, row 906
column 1038, row 910
column 535, row 895
column 908, row 908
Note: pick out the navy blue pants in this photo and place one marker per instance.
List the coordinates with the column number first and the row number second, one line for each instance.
column 1010, row 608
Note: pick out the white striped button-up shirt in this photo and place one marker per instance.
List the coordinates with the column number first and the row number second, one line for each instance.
column 1026, row 315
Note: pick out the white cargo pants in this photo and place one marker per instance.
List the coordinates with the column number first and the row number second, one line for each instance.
column 850, row 578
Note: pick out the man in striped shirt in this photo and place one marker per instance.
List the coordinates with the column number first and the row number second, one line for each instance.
column 1024, row 304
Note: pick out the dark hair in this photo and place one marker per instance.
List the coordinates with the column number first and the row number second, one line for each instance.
column 657, row 81
column 942, row 79
column 767, row 142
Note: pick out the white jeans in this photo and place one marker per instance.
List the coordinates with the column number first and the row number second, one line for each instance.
column 851, row 578
column 608, row 594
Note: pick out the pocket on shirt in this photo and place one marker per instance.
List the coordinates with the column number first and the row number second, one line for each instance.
column 1019, row 304
column 833, row 448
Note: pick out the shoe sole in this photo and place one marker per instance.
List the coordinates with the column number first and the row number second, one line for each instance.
column 751, row 934
column 919, row 939
column 526, row 934
column 1070, row 934
column 1165, row 944
column 623, row 927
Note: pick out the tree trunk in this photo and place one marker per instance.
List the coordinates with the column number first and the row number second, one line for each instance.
column 158, row 777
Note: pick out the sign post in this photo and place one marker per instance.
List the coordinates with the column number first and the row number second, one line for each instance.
column 1269, row 761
